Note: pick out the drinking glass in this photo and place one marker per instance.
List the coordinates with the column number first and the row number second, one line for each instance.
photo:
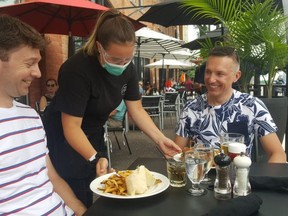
column 229, row 140
column 226, row 138
column 176, row 173
column 206, row 152
column 234, row 149
column 195, row 169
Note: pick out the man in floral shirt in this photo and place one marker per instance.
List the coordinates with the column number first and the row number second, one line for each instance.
column 223, row 109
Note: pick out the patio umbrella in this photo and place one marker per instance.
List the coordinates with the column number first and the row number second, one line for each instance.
column 151, row 43
column 155, row 45
column 214, row 36
column 181, row 54
column 173, row 13
column 170, row 63
column 66, row 17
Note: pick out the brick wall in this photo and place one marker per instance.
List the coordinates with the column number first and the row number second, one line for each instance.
column 52, row 58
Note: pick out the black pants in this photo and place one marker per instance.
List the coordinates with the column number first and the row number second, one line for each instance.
column 70, row 165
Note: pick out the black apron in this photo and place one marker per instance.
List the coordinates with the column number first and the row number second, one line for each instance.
column 68, row 162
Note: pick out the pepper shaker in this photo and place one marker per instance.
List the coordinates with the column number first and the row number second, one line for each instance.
column 222, row 185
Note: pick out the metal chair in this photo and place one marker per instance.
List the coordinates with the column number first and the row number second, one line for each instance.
column 37, row 106
column 183, row 98
column 152, row 105
column 172, row 104
column 122, row 129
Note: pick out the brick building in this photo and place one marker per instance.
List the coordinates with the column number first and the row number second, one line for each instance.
column 57, row 50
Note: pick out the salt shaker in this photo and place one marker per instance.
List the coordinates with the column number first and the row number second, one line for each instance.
column 242, row 185
column 222, row 185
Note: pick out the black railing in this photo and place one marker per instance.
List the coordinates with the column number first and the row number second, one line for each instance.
column 260, row 90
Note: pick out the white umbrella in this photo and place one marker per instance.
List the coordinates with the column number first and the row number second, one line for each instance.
column 153, row 44
column 182, row 54
column 170, row 63
column 149, row 33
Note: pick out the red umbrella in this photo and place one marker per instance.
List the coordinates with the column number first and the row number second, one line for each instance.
column 67, row 17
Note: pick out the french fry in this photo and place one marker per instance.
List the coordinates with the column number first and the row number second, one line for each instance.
column 116, row 184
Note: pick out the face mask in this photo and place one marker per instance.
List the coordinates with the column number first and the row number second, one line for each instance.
column 114, row 69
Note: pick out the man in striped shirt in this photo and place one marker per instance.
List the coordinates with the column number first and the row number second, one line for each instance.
column 29, row 184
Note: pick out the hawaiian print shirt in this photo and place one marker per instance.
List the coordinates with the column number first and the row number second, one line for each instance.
column 242, row 113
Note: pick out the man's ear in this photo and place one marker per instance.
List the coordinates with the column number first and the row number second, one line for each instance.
column 237, row 76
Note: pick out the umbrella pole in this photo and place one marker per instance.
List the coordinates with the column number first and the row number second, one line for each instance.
column 138, row 62
column 70, row 46
column 163, row 76
column 167, row 73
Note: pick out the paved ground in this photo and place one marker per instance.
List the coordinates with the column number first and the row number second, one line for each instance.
column 140, row 144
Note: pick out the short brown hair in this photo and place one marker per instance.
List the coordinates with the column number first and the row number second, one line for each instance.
column 14, row 33
column 111, row 26
column 225, row 51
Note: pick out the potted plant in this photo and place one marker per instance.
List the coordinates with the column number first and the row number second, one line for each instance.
column 256, row 28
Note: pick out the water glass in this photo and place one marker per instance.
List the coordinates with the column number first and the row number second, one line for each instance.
column 206, row 152
column 195, row 169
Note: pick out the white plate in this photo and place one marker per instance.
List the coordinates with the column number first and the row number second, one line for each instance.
column 156, row 189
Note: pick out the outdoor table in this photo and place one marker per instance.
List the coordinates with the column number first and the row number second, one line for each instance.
column 177, row 202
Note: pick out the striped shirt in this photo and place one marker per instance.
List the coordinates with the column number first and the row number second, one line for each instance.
column 25, row 188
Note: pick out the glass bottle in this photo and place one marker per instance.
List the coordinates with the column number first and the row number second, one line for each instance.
column 222, row 185
column 242, row 185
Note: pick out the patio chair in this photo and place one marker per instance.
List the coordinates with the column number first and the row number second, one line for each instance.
column 152, row 105
column 276, row 107
column 114, row 130
column 172, row 104
column 183, row 98
column 37, row 108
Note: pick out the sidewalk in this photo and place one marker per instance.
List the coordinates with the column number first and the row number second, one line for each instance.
column 140, row 144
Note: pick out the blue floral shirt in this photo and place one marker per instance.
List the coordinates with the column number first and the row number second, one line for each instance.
column 242, row 113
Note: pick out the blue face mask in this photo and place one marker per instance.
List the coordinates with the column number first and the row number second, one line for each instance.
column 114, row 69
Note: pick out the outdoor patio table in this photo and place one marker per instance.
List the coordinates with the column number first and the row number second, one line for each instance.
column 177, row 202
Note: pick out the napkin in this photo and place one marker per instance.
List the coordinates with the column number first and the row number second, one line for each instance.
column 240, row 206
column 271, row 183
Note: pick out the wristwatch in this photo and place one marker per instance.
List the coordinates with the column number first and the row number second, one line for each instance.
column 92, row 162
